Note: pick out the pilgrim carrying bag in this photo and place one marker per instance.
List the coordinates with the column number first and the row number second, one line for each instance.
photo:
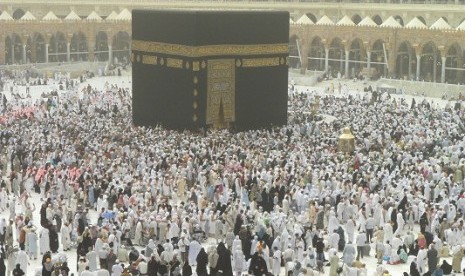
column 339, row 269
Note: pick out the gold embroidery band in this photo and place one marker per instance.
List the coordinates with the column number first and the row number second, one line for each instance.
column 195, row 66
column 209, row 50
column 261, row 62
column 174, row 63
column 152, row 60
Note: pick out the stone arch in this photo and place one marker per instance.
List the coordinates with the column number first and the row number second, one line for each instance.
column 316, row 54
column 422, row 19
column 430, row 62
column 454, row 64
column 79, row 48
column 121, row 44
column 336, row 56
column 455, row 47
column 101, row 46
column 356, row 19
column 294, row 52
column 357, row 56
column 377, row 57
column 377, row 19
column 312, row 17
column 58, row 47
column 18, row 13
column 13, row 49
column 399, row 19
column 406, row 61
column 8, row 49
column 35, row 48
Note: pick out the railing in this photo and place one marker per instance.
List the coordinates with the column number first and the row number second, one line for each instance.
column 135, row 2
column 430, row 89
column 55, row 65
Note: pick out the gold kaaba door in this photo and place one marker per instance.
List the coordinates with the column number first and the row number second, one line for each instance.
column 221, row 92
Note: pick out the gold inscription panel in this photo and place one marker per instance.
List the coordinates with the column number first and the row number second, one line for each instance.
column 261, row 62
column 221, row 91
column 208, row 50
column 174, row 63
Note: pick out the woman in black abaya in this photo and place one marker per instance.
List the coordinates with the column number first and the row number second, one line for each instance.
column 224, row 260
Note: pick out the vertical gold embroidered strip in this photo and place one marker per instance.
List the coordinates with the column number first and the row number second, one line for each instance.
column 221, row 91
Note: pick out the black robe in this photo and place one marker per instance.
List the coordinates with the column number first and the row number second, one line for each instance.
column 432, row 255
column 403, row 205
column 2, row 267
column 64, row 269
column 446, row 268
column 43, row 215
column 394, row 220
column 186, row 270
column 46, row 256
column 267, row 201
column 246, row 241
column 18, row 272
column 282, row 193
column 320, row 220
column 175, row 264
column 47, row 269
column 413, row 250
column 342, row 240
column 152, row 267
column 429, row 237
column 134, row 255
column 238, row 224
column 258, row 266
column 54, row 244
column 414, row 270
column 81, row 226
column 86, row 243
column 224, row 260
column 111, row 260
column 423, row 222
column 202, row 262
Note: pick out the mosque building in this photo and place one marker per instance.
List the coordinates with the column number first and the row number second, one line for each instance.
column 406, row 40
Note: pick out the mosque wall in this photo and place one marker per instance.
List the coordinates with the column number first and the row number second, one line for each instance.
column 404, row 11
column 404, row 53
column 415, row 54
column 39, row 42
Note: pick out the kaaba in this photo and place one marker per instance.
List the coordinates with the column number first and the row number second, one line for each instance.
column 197, row 69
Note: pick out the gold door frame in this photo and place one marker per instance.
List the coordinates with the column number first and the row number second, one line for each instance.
column 221, row 92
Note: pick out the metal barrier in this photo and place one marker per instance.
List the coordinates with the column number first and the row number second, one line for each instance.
column 129, row 2
column 430, row 89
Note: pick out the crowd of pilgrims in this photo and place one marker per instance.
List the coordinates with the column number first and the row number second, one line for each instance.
column 279, row 201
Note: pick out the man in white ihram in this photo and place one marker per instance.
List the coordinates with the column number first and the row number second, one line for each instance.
column 117, row 269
